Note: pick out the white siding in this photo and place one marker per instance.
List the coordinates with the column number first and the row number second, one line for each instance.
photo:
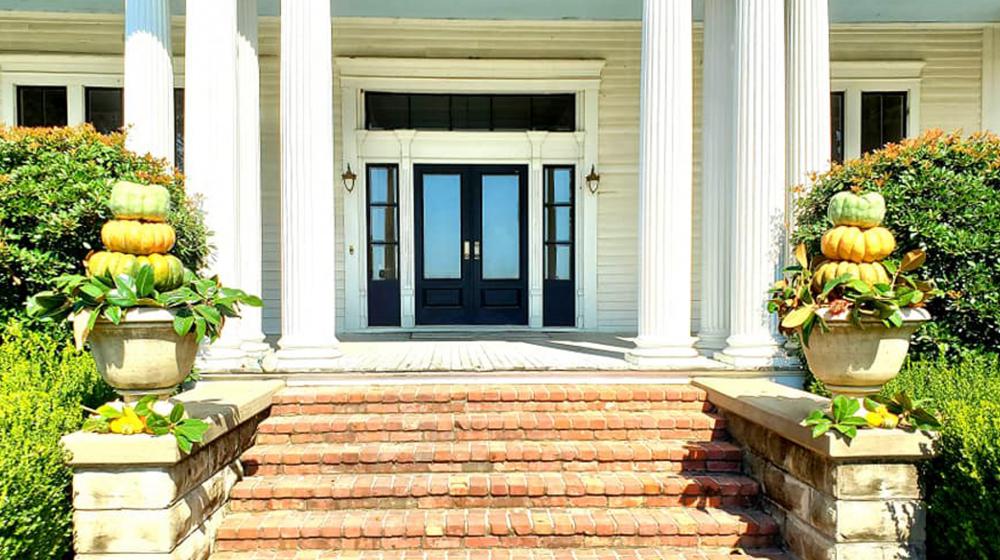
column 950, row 91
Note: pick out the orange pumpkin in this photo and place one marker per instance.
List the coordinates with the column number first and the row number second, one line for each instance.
column 137, row 238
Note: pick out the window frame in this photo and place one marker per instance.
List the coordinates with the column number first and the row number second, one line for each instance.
column 852, row 90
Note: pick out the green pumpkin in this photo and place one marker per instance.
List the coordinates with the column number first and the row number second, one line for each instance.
column 849, row 209
column 131, row 201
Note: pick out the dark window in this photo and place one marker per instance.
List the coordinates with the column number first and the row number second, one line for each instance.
column 883, row 118
column 104, row 108
column 41, row 106
column 389, row 111
column 558, row 243
column 179, row 128
column 837, row 127
column 383, row 245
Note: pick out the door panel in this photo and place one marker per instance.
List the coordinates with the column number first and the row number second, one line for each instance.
column 471, row 233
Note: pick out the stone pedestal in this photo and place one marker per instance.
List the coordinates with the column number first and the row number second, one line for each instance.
column 832, row 501
column 140, row 497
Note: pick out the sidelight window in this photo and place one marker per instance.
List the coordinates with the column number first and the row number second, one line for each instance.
column 558, row 244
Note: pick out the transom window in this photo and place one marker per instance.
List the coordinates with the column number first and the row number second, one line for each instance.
column 422, row 111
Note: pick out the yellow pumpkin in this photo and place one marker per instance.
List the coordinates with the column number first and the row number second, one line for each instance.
column 137, row 238
column 168, row 271
column 869, row 273
column 850, row 243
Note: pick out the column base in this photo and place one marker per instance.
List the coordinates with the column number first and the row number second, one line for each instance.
column 670, row 354
column 225, row 359
column 710, row 342
column 306, row 359
column 757, row 353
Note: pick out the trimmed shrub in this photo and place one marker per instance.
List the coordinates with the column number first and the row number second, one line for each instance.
column 943, row 195
column 54, row 186
column 962, row 483
column 43, row 382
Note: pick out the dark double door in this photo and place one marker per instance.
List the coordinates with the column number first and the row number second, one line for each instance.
column 471, row 245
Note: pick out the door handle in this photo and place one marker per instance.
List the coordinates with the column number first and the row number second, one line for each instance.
column 465, row 250
column 475, row 250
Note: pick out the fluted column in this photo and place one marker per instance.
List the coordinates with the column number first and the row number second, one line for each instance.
column 759, row 217
column 665, row 169
column 807, row 54
column 248, row 94
column 308, row 340
column 149, row 79
column 718, row 172
column 211, row 152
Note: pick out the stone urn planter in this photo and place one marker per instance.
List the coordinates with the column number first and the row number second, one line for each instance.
column 143, row 355
column 858, row 361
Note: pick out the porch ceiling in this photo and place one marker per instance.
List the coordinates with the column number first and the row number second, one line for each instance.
column 841, row 11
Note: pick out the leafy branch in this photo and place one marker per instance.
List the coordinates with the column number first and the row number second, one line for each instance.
column 144, row 418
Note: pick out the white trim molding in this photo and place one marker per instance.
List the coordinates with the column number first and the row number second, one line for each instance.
column 407, row 148
column 991, row 78
column 855, row 77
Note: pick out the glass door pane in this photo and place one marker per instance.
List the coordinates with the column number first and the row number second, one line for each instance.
column 442, row 226
column 501, row 206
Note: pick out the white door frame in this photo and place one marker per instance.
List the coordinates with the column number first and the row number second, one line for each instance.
column 407, row 148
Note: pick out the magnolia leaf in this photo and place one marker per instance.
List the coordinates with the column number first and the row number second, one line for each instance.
column 176, row 413
column 801, row 256
column 912, row 260
column 144, row 281
column 798, row 317
column 81, row 326
column 821, row 428
column 113, row 313
column 871, row 405
column 182, row 324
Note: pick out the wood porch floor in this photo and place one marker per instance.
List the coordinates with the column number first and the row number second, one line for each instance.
column 479, row 351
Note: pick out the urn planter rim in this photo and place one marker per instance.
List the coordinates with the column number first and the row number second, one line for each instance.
column 145, row 315
column 911, row 315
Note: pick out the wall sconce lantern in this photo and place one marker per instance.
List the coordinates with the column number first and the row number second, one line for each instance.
column 349, row 178
column 593, row 180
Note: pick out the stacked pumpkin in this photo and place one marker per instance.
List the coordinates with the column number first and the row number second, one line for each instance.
column 857, row 241
column 139, row 235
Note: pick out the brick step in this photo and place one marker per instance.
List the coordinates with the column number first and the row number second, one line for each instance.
column 458, row 398
column 658, row 553
column 485, row 490
column 485, row 528
column 483, row 426
column 495, row 456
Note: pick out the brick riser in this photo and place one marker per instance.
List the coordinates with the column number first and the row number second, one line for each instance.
column 610, row 469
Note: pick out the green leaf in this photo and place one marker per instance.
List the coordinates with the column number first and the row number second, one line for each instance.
column 109, row 411
column 199, row 328
column 184, row 444
column 896, row 319
column 93, row 291
column 833, row 283
column 849, row 432
column 890, row 267
column 797, row 317
column 183, row 324
column 113, row 313
column 821, row 428
column 859, row 286
column 210, row 313
column 176, row 413
column 121, row 299
column 252, row 301
column 144, row 281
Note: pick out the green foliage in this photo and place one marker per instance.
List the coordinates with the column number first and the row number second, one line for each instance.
column 942, row 196
column 43, row 381
column 962, row 483
column 841, row 419
column 202, row 304
column 54, row 184
column 147, row 416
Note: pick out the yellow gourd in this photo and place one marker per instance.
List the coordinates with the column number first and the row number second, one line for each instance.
column 869, row 273
column 850, row 243
column 137, row 238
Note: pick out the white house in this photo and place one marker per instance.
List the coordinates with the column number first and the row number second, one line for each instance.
column 552, row 166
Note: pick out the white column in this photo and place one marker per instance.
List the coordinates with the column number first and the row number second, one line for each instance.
column 759, row 218
column 250, row 238
column 536, row 219
column 308, row 294
column 807, row 54
column 718, row 172
column 665, row 181
column 149, row 79
column 211, row 151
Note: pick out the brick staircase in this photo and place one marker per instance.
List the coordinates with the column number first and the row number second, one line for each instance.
column 510, row 472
